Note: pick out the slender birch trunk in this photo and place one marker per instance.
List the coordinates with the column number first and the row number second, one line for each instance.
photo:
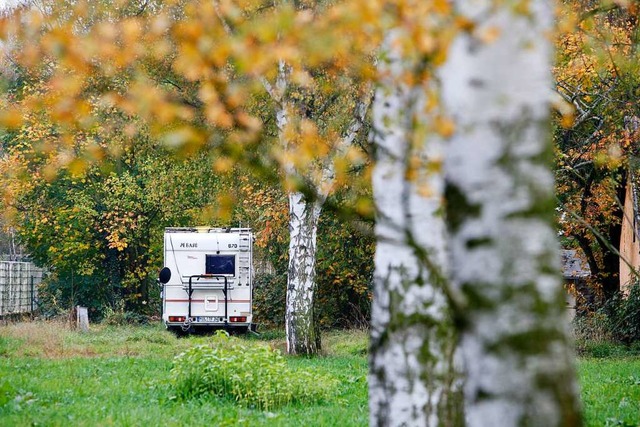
column 500, row 209
column 302, row 334
column 411, row 378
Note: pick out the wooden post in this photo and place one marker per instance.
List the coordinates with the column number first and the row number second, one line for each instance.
column 82, row 320
column 33, row 296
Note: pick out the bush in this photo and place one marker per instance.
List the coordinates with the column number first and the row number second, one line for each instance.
column 120, row 317
column 269, row 299
column 623, row 313
column 601, row 349
column 59, row 293
column 612, row 329
column 592, row 327
column 246, row 372
column 344, row 272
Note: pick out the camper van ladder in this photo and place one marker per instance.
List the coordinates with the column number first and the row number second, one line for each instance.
column 244, row 257
column 244, row 241
column 224, row 291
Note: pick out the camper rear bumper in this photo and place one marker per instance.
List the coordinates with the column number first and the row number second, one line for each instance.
column 208, row 325
column 208, row 321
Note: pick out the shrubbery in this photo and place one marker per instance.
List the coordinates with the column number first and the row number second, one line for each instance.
column 612, row 329
column 623, row 314
column 247, row 372
column 269, row 299
column 120, row 317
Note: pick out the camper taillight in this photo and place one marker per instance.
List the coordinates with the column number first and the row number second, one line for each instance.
column 177, row 318
column 240, row 319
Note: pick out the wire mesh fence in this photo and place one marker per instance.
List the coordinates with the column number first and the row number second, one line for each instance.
column 19, row 287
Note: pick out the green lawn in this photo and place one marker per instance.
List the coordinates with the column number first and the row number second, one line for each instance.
column 611, row 391
column 121, row 379
column 118, row 376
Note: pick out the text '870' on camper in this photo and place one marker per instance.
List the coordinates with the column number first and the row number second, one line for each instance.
column 207, row 279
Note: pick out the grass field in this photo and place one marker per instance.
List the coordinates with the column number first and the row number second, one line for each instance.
column 119, row 376
column 611, row 391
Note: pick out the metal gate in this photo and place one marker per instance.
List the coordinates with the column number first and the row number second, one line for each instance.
column 18, row 287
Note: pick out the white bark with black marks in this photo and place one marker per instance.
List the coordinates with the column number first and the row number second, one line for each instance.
column 301, row 331
column 500, row 204
column 411, row 380
column 304, row 213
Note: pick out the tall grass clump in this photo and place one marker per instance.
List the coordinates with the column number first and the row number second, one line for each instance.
column 247, row 372
column 623, row 312
column 611, row 329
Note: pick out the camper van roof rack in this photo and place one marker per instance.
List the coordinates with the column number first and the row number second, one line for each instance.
column 206, row 230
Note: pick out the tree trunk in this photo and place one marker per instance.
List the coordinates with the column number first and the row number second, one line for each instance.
column 411, row 378
column 302, row 333
column 610, row 274
column 605, row 270
column 500, row 210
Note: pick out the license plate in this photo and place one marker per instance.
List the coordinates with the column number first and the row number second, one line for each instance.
column 209, row 319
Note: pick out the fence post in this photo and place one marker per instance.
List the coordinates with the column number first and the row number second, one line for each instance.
column 82, row 318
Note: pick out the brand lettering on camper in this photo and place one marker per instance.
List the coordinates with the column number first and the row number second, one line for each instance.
column 188, row 245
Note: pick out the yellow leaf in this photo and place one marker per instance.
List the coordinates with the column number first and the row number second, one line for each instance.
column 444, row 126
column 10, row 118
column 488, row 35
column 77, row 167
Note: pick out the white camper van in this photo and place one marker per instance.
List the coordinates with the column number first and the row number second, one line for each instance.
column 207, row 280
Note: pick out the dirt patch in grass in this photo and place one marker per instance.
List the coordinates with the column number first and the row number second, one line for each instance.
column 36, row 339
column 56, row 340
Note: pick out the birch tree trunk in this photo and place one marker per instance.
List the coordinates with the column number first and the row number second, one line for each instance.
column 411, row 377
column 302, row 333
column 303, row 336
column 500, row 210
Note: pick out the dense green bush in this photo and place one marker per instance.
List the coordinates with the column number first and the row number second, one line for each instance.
column 612, row 329
column 344, row 272
column 269, row 299
column 592, row 326
column 247, row 372
column 60, row 292
column 623, row 314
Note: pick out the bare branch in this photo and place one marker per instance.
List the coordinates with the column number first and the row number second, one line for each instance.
column 356, row 124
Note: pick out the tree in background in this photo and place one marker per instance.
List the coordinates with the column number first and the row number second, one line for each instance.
column 596, row 77
column 317, row 123
column 98, row 226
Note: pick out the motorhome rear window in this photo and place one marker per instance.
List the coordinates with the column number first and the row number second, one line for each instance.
column 221, row 264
